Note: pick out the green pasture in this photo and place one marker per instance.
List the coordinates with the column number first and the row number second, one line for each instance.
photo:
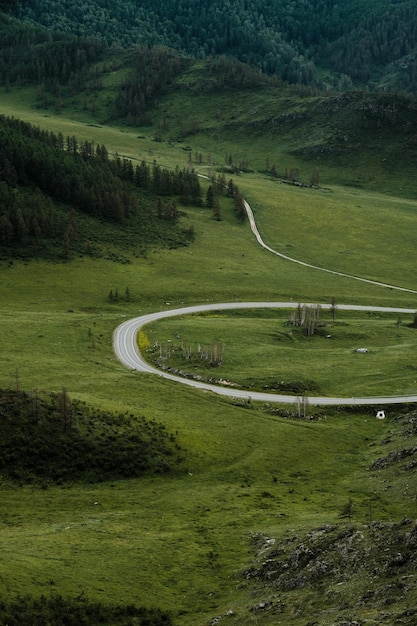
column 263, row 350
column 370, row 235
column 181, row 541
column 363, row 233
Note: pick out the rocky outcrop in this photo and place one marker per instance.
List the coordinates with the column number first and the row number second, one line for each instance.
column 368, row 569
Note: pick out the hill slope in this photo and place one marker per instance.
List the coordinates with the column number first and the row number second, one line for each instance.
column 184, row 538
column 58, row 194
column 314, row 41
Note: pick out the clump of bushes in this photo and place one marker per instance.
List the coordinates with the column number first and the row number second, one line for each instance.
column 52, row 438
column 59, row 611
column 294, row 387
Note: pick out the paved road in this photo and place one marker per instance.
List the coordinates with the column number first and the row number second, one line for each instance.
column 127, row 351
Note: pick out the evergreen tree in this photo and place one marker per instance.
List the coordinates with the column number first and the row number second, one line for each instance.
column 210, row 197
column 217, row 213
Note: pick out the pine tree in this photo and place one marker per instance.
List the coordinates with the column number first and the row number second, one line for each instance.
column 210, row 197
column 217, row 213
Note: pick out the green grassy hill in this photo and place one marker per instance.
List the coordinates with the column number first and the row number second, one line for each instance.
column 220, row 113
column 184, row 541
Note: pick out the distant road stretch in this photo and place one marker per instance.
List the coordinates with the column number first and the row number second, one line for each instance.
column 261, row 242
column 126, row 348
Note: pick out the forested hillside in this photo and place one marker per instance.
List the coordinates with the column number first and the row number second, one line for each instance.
column 33, row 54
column 357, row 42
column 49, row 182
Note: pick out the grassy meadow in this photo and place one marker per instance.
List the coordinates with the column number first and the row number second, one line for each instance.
column 181, row 542
column 263, row 350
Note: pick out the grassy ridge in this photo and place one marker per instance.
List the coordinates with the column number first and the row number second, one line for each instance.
column 333, row 557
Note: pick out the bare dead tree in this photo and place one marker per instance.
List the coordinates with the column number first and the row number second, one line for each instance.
column 301, row 406
column 216, row 354
column 306, row 317
column 333, row 308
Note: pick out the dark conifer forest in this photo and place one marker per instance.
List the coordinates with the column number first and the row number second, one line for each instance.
column 40, row 169
column 317, row 42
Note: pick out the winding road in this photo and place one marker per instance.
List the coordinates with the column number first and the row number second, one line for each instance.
column 127, row 351
column 126, row 348
column 261, row 242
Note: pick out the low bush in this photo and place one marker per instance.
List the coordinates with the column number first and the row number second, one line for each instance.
column 29, row 611
column 53, row 438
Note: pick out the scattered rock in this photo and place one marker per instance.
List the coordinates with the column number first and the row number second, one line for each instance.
column 393, row 457
column 262, row 606
column 217, row 619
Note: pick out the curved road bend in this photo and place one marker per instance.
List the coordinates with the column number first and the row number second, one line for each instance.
column 127, row 351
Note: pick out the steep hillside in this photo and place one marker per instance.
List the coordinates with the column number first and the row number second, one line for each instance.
column 57, row 195
column 232, row 116
column 318, row 41
column 255, row 122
